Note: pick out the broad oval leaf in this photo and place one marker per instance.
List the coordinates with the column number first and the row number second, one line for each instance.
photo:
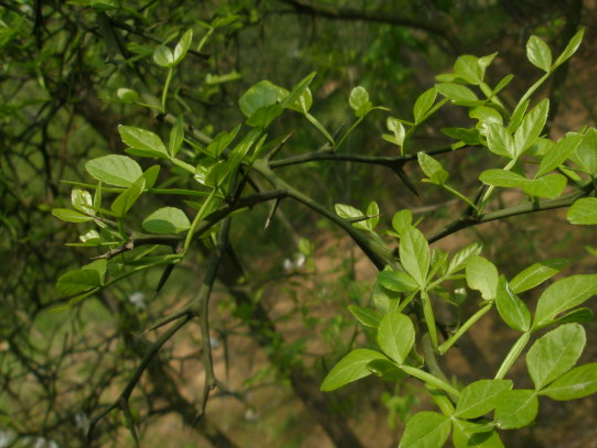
column 512, row 310
column 537, row 273
column 80, row 280
column 114, row 169
column 260, row 95
column 577, row 383
column 359, row 101
column 414, row 254
column 502, row 178
column 167, row 220
column 482, row 275
column 500, row 141
column 564, row 295
column 467, row 67
column 426, row 430
column 82, row 201
column 538, row 53
column 583, row 212
column 149, row 143
column 516, row 409
column 163, row 56
column 350, row 368
column 555, row 353
column 396, row 336
column 480, row 397
column 432, row 168
column 402, row 220
column 549, row 186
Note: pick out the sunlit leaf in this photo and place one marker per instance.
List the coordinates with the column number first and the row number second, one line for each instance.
column 350, row 368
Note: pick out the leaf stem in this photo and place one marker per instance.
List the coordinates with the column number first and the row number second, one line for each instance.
column 428, row 378
column 513, row 355
column 464, row 328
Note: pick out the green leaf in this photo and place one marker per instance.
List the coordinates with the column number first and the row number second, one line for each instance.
column 480, row 397
column 555, row 353
column 176, row 137
column 583, row 212
column 222, row 141
column 148, row 143
column 183, row 46
column 559, row 153
column 262, row 94
column 373, row 211
column 516, row 409
column 564, row 295
column 456, row 92
column 68, row 215
column 578, row 315
column 539, row 54
column 531, row 127
column 585, row 155
column 482, row 275
column 467, row 67
column 397, row 281
column 473, row 435
column 460, row 258
column 166, row 220
column 537, row 273
column 414, row 254
column 75, row 282
column 127, row 95
column 82, row 201
column 467, row 136
column 264, row 116
column 577, row 383
column 397, row 128
column 151, row 176
column 518, row 115
column 402, row 220
column 570, row 48
column 359, row 101
column 432, row 168
column 396, row 336
column 125, row 200
column 100, row 266
column 426, row 430
column 423, row 103
column 499, row 140
column 512, row 310
column 164, row 56
column 300, row 99
column 121, row 171
column 548, row 186
column 367, row 317
column 486, row 116
column 350, row 368
column 320, row 128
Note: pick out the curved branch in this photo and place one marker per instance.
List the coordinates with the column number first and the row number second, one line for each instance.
column 306, row 7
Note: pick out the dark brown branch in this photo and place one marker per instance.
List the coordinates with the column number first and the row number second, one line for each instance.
column 306, row 7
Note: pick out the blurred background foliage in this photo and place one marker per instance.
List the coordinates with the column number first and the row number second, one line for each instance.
column 62, row 64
